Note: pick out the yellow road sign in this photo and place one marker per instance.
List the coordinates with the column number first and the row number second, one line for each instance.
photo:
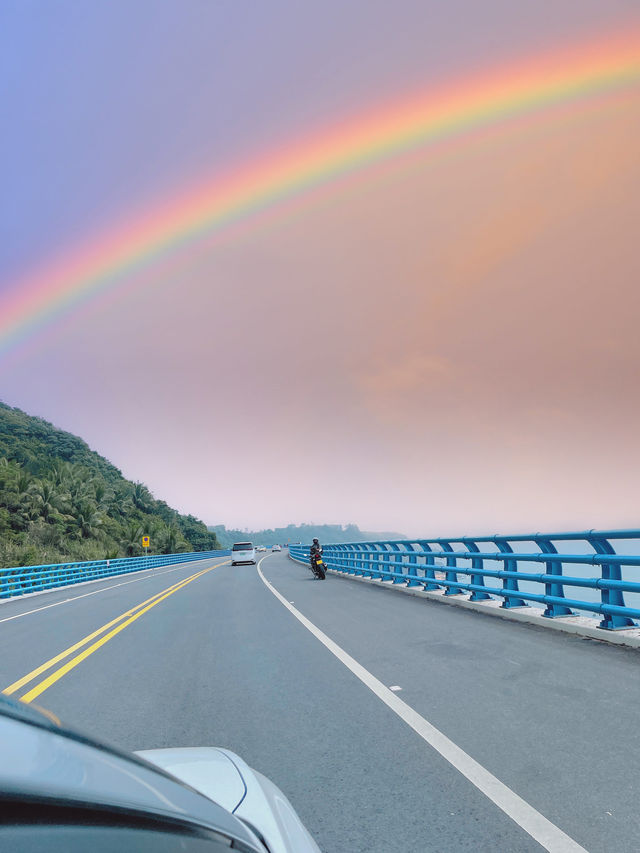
column 145, row 541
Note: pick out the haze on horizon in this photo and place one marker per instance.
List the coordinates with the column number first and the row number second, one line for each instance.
column 444, row 346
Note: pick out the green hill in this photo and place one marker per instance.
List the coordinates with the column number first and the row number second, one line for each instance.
column 61, row 501
column 301, row 533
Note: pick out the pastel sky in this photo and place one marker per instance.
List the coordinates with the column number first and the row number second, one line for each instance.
column 443, row 344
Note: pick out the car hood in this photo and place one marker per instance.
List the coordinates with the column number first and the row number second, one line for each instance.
column 43, row 762
column 206, row 769
column 225, row 778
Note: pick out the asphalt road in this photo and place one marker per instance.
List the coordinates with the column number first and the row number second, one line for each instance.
column 220, row 661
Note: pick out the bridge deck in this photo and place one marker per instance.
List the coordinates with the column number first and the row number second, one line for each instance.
column 220, row 661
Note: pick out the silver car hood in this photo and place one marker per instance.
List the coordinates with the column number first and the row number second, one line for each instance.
column 225, row 778
column 206, row 769
column 42, row 762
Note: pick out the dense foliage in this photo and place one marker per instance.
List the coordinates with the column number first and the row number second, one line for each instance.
column 61, row 501
column 326, row 533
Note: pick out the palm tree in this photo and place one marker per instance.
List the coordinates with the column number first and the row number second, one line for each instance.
column 102, row 494
column 5, row 472
column 14, row 483
column 155, row 529
column 59, row 473
column 77, row 493
column 121, row 504
column 141, row 497
column 21, row 482
column 172, row 541
column 131, row 539
column 87, row 520
column 46, row 499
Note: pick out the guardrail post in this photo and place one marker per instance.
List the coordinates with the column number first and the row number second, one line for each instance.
column 509, row 583
column 476, row 580
column 449, row 575
column 398, row 573
column 366, row 561
column 610, row 571
column 412, row 572
column 342, row 556
column 349, row 561
column 354, row 561
column 553, row 567
column 430, row 581
column 386, row 564
column 358, row 561
column 331, row 557
column 379, row 561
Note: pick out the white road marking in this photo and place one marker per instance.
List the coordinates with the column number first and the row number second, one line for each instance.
column 395, row 688
column 95, row 592
column 547, row 834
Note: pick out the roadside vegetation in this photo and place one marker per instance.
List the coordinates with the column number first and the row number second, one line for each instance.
column 61, row 501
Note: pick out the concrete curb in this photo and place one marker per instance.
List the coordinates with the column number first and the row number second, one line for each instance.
column 583, row 626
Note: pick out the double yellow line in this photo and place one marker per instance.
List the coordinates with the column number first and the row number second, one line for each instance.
column 121, row 622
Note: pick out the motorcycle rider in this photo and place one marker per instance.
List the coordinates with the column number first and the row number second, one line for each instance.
column 315, row 549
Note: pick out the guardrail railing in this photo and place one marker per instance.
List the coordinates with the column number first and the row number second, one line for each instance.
column 573, row 564
column 25, row 579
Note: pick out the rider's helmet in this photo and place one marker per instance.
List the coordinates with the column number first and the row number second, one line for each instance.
column 315, row 542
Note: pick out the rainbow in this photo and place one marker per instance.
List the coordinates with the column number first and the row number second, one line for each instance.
column 589, row 71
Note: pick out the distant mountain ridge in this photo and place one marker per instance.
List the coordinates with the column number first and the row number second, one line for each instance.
column 62, row 501
column 304, row 533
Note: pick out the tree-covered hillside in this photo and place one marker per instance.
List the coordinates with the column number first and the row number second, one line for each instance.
column 304, row 533
column 61, row 501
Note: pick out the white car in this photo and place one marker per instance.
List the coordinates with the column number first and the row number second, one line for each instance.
column 261, row 548
column 276, row 548
column 243, row 552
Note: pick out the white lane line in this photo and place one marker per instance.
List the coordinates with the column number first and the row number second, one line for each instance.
column 547, row 834
column 95, row 592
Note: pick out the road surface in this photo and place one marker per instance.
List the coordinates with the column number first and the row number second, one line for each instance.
column 213, row 657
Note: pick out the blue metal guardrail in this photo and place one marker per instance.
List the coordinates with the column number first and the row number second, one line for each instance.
column 595, row 569
column 25, row 579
